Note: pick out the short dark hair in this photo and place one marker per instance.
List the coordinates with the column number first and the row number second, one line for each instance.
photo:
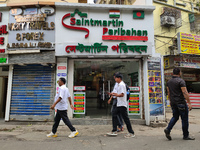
column 176, row 71
column 63, row 80
column 115, row 73
column 119, row 76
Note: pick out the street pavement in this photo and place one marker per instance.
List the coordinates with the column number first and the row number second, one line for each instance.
column 32, row 136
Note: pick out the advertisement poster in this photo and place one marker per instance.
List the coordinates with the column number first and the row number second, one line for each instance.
column 134, row 104
column 188, row 43
column 79, row 102
column 155, row 87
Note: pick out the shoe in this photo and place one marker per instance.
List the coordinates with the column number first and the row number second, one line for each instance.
column 120, row 129
column 167, row 134
column 73, row 134
column 112, row 133
column 129, row 135
column 52, row 135
column 188, row 138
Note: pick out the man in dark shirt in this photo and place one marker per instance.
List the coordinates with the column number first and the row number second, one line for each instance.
column 177, row 93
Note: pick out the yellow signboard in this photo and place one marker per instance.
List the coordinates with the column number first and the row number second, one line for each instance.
column 166, row 63
column 189, row 43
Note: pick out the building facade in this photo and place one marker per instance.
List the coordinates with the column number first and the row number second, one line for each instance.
column 176, row 28
column 85, row 45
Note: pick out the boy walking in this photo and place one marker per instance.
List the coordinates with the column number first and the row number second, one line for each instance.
column 61, row 105
column 121, row 108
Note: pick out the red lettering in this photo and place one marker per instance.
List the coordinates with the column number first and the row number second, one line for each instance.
column 1, row 40
column 2, row 50
column 105, row 30
column 0, row 16
column 73, row 21
column 3, row 29
column 72, row 27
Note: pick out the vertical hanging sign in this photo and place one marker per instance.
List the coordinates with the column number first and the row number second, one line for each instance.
column 155, row 87
column 79, row 100
column 134, row 101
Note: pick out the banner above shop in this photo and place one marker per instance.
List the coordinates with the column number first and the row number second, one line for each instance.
column 181, row 61
column 188, row 43
column 31, row 28
column 111, row 32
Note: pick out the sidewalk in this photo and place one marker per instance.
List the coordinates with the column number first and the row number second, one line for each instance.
column 33, row 136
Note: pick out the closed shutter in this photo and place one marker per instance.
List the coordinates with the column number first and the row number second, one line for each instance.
column 32, row 92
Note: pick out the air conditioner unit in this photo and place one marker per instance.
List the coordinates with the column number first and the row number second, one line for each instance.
column 167, row 21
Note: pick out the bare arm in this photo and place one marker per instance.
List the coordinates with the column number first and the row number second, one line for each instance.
column 186, row 95
column 110, row 99
column 118, row 95
column 168, row 95
column 70, row 102
column 57, row 101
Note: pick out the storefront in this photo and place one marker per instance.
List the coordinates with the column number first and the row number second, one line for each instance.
column 190, row 68
column 4, row 68
column 91, row 45
column 188, row 62
column 31, row 54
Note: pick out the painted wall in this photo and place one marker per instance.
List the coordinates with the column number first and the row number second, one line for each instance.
column 164, row 35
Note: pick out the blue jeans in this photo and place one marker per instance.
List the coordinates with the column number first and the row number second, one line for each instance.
column 180, row 110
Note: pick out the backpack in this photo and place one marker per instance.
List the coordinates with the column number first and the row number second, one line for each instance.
column 128, row 92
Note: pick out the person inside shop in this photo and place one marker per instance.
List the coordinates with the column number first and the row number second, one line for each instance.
column 121, row 95
column 114, row 106
column 178, row 93
column 61, row 105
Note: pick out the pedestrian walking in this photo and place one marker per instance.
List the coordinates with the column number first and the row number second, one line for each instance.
column 177, row 93
column 121, row 108
column 61, row 105
column 114, row 106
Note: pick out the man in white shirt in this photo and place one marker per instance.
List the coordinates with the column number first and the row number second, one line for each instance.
column 61, row 105
column 121, row 108
column 114, row 106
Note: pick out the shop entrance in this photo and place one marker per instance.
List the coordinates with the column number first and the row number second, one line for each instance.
column 3, row 90
column 97, row 76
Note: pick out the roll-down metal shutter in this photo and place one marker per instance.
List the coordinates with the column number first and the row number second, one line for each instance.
column 32, row 92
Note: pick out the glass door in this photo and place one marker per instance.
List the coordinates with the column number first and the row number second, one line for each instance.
column 97, row 76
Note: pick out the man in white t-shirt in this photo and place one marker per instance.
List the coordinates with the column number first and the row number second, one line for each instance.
column 61, row 105
column 114, row 106
column 121, row 108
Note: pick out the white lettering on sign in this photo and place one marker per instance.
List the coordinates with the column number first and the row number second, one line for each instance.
column 79, row 88
column 134, row 88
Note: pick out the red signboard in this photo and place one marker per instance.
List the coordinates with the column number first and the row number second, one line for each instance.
column 124, row 38
column 62, row 67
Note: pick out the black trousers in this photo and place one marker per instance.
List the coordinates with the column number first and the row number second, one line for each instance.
column 123, row 111
column 62, row 114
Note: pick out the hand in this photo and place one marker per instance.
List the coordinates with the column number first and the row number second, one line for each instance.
column 109, row 101
column 115, row 94
column 53, row 106
column 190, row 107
column 72, row 107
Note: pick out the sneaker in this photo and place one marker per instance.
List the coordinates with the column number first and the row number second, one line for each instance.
column 73, row 134
column 188, row 138
column 167, row 134
column 52, row 135
column 129, row 135
column 112, row 134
